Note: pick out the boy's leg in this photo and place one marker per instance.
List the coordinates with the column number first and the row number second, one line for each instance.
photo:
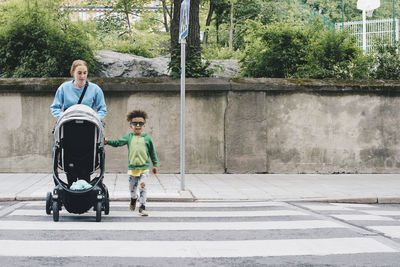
column 133, row 184
column 143, row 193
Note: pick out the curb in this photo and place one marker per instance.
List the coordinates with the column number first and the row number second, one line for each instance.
column 183, row 196
column 187, row 196
column 358, row 200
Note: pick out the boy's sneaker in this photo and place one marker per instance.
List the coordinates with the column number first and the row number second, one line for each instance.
column 142, row 211
column 132, row 206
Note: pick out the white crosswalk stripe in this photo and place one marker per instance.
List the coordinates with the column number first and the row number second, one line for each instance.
column 193, row 249
column 361, row 217
column 392, row 231
column 204, row 204
column 194, row 230
column 181, row 214
column 160, row 226
column 370, row 216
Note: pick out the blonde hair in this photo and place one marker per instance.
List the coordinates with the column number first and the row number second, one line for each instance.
column 77, row 63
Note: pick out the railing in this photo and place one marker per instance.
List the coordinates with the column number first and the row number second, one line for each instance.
column 376, row 29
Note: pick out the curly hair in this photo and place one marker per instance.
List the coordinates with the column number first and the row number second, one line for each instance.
column 135, row 114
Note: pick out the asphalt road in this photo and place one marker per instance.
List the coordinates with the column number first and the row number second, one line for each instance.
column 203, row 234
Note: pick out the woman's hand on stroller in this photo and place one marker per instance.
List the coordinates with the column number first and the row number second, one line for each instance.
column 155, row 170
column 105, row 141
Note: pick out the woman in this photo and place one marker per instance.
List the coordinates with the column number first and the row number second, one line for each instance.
column 69, row 93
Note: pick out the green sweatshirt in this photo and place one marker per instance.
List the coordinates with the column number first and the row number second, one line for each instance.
column 140, row 148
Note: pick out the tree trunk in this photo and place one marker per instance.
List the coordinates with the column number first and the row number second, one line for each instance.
column 193, row 48
column 193, row 39
column 217, row 30
column 174, row 64
column 165, row 13
column 126, row 11
column 208, row 22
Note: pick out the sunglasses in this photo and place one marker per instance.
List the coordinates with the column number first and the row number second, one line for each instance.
column 140, row 123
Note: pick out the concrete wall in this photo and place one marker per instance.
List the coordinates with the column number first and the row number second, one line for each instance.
column 234, row 126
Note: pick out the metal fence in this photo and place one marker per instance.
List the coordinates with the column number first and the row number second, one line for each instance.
column 376, row 29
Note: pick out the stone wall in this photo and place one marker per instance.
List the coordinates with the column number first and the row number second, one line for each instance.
column 232, row 125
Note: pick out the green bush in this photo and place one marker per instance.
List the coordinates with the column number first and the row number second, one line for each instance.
column 125, row 46
column 386, row 61
column 194, row 67
column 334, row 55
column 37, row 40
column 216, row 52
column 280, row 50
column 274, row 50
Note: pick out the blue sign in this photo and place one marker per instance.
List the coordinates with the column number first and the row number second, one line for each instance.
column 184, row 20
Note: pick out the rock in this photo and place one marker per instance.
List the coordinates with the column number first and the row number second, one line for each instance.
column 114, row 64
column 225, row 68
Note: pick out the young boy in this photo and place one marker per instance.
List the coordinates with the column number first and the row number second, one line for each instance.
column 140, row 148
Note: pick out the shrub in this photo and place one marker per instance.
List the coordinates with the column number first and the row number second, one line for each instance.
column 386, row 61
column 274, row 50
column 217, row 52
column 37, row 40
column 281, row 50
column 334, row 55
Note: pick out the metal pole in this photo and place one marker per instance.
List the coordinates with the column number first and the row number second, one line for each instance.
column 183, row 55
column 394, row 24
column 342, row 14
column 364, row 19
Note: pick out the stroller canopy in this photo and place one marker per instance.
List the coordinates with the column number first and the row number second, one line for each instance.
column 80, row 112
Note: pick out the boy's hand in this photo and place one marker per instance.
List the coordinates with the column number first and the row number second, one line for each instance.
column 155, row 170
column 105, row 141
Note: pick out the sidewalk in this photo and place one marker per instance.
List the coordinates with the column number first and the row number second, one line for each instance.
column 359, row 188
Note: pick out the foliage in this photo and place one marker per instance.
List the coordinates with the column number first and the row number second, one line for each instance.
column 121, row 13
column 37, row 40
column 218, row 52
column 386, row 61
column 148, row 46
column 145, row 39
column 274, row 50
column 194, row 67
column 110, row 22
column 334, row 55
column 281, row 50
column 333, row 9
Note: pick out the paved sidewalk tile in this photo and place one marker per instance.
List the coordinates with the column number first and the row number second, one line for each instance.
column 361, row 188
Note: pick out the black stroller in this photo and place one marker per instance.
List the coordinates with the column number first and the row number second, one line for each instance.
column 79, row 151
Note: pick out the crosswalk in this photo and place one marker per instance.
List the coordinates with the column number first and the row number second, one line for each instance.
column 195, row 230
column 382, row 219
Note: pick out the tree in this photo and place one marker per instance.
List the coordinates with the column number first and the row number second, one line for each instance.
column 208, row 22
column 221, row 14
column 194, row 65
column 127, row 8
column 166, row 14
column 37, row 40
column 232, row 3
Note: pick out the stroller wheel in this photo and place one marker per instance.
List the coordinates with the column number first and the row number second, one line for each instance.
column 56, row 211
column 49, row 203
column 106, row 206
column 99, row 205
